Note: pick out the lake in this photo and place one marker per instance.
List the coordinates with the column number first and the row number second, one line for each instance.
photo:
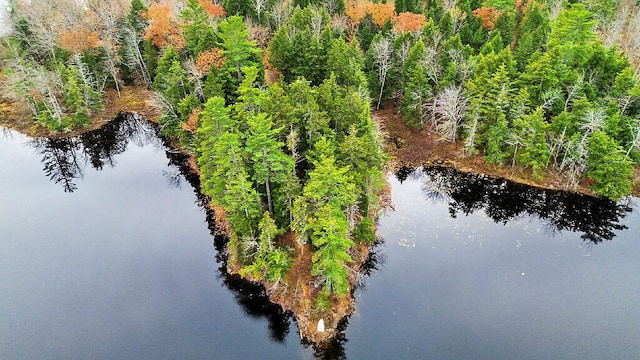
column 106, row 253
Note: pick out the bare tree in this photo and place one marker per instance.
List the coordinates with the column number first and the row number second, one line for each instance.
column 195, row 78
column 573, row 91
column 281, row 13
column 107, row 14
column 317, row 22
column 431, row 65
column 259, row 5
column 339, row 23
column 635, row 143
column 450, row 106
column 330, row 5
column 458, row 17
column 132, row 54
column 403, row 50
column 382, row 51
column 574, row 161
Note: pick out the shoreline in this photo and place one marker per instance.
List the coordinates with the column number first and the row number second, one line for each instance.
column 411, row 147
column 407, row 147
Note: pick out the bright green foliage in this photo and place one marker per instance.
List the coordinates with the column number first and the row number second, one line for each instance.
column 213, row 84
column 609, row 167
column 500, row 4
column 540, row 79
column 417, row 89
column 346, row 63
column 300, row 50
column 215, row 120
column 329, row 229
column 79, row 98
column 327, row 194
column 271, row 165
column 496, row 139
column 239, row 52
column 232, row 187
column 164, row 64
column 572, row 34
column 338, row 191
column 279, row 262
column 491, row 93
column 250, row 98
column 361, row 149
column 176, row 84
column 196, row 28
column 343, row 107
column 187, row 105
column 532, row 35
column 531, row 130
column 276, row 260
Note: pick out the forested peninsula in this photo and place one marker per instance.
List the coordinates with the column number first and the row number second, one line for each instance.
column 285, row 105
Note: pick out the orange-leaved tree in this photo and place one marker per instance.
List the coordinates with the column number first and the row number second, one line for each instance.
column 408, row 22
column 381, row 13
column 208, row 58
column 488, row 15
column 163, row 29
column 212, row 9
column 78, row 40
column 356, row 10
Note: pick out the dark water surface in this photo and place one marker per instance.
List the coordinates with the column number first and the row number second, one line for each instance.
column 105, row 253
column 527, row 274
column 117, row 263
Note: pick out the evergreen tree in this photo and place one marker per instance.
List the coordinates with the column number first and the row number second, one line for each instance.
column 196, row 28
column 416, row 90
column 572, row 34
column 531, row 130
column 271, row 166
column 609, row 167
column 239, row 52
column 346, row 62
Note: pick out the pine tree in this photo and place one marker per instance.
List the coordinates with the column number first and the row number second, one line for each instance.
column 197, row 31
column 271, row 165
column 609, row 167
column 416, row 90
column 239, row 52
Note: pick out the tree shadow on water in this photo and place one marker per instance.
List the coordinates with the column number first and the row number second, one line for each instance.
column 598, row 219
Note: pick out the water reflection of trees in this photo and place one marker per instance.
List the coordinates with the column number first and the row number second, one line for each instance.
column 596, row 218
column 252, row 297
column 64, row 159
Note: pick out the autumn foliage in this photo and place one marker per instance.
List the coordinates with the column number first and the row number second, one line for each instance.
column 212, row 9
column 488, row 15
column 209, row 58
column 408, row 22
column 192, row 122
column 79, row 40
column 162, row 29
column 381, row 13
column 356, row 11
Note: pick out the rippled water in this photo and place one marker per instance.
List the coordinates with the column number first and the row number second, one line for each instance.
column 106, row 253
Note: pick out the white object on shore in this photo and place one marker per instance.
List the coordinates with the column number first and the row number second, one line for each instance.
column 321, row 325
